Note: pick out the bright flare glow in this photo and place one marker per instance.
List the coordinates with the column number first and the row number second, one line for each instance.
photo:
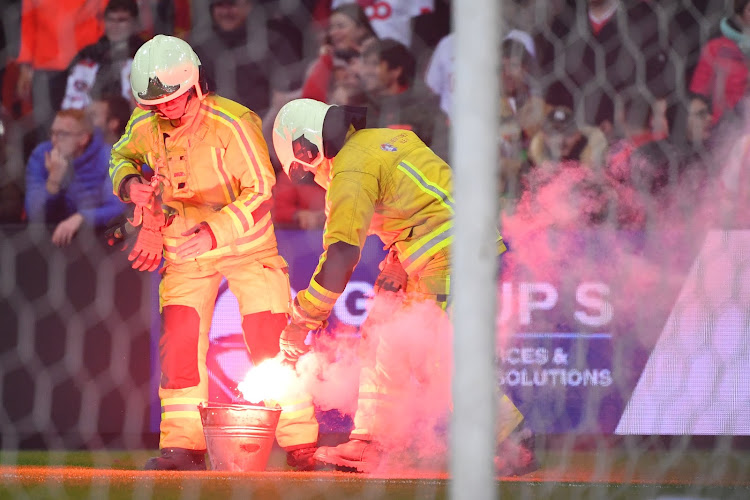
column 272, row 380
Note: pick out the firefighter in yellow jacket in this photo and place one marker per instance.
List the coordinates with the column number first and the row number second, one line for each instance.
column 379, row 181
column 210, row 196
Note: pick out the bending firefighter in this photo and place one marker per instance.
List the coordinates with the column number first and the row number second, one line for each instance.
column 379, row 181
column 207, row 209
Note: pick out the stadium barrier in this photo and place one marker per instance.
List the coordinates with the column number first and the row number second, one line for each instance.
column 583, row 356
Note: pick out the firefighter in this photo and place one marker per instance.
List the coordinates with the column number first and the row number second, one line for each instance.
column 207, row 210
column 379, row 181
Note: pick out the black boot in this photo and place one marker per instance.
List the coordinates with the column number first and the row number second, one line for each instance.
column 178, row 459
column 516, row 456
column 356, row 454
column 301, row 458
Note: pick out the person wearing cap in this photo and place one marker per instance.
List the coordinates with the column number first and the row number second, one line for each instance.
column 207, row 210
column 561, row 140
column 379, row 181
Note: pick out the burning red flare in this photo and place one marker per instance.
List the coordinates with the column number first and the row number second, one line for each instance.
column 271, row 380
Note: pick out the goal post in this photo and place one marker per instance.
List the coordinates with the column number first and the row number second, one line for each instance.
column 474, row 158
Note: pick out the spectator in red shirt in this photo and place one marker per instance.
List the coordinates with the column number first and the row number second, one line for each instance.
column 348, row 30
column 298, row 205
column 722, row 70
column 52, row 32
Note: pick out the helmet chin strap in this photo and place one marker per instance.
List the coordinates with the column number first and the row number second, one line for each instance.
column 297, row 173
column 176, row 122
column 184, row 111
column 323, row 174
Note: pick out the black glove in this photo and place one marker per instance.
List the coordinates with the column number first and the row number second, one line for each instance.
column 120, row 233
column 392, row 277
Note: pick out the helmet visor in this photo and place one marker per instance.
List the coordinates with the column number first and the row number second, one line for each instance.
column 156, row 90
column 305, row 151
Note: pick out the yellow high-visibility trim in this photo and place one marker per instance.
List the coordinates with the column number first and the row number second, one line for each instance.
column 181, row 401
column 181, row 414
column 245, row 137
column 426, row 185
column 221, row 175
column 286, row 415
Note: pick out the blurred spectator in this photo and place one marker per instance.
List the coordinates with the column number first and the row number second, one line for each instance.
column 348, row 30
column 605, row 47
column 428, row 28
column 513, row 163
column 520, row 96
column 519, row 69
column 681, row 162
column 529, row 19
column 691, row 25
column 298, row 205
column 734, row 183
column 634, row 122
column 11, row 194
column 394, row 101
column 10, row 16
column 52, row 33
column 104, row 67
column 67, row 178
column 439, row 75
column 166, row 17
column 392, row 18
column 722, row 70
column 562, row 140
column 109, row 114
column 245, row 57
column 346, row 84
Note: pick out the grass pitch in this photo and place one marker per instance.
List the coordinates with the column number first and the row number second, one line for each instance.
column 571, row 474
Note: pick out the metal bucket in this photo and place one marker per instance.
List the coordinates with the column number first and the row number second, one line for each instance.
column 239, row 437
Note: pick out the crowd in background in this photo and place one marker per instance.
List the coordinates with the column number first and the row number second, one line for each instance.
column 625, row 99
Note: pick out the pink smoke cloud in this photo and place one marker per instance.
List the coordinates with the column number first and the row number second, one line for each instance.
column 411, row 346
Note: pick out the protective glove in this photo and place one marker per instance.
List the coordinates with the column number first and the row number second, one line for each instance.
column 392, row 277
column 149, row 246
column 292, row 341
column 120, row 233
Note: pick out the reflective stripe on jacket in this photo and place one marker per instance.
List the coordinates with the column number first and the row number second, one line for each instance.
column 389, row 183
column 213, row 167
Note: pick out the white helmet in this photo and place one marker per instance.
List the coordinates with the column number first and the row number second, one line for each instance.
column 164, row 68
column 298, row 134
column 306, row 132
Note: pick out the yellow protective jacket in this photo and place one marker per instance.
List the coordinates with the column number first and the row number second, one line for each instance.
column 213, row 167
column 385, row 182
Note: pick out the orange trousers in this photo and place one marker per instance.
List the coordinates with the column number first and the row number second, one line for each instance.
column 187, row 297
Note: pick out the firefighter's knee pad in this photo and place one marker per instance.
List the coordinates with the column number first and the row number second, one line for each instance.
column 178, row 347
column 262, row 331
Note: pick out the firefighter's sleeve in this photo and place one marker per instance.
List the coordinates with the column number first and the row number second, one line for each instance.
column 131, row 151
column 351, row 197
column 501, row 246
column 246, row 158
